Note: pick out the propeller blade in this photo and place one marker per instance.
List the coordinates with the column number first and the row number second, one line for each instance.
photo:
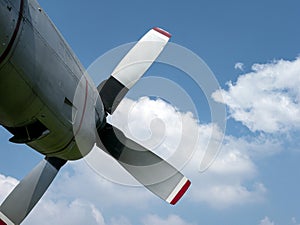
column 132, row 67
column 153, row 172
column 28, row 192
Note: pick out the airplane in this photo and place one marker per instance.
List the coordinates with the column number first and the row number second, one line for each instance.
column 40, row 78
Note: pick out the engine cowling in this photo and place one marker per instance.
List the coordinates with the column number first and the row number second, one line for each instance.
column 10, row 22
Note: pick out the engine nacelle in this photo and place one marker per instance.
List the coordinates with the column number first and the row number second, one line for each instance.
column 10, row 24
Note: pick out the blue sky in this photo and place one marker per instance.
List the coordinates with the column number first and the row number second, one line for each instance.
column 255, row 180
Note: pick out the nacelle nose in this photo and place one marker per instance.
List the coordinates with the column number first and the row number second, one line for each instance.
column 9, row 16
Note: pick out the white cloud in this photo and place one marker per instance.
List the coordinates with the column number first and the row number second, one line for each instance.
column 172, row 219
column 239, row 66
column 225, row 181
column 76, row 212
column 266, row 221
column 156, row 124
column 294, row 221
column 55, row 209
column 80, row 181
column 55, row 212
column 120, row 221
column 222, row 196
column 266, row 99
column 6, row 186
column 233, row 168
column 230, row 181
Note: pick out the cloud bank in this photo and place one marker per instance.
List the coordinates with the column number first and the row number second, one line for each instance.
column 80, row 194
column 267, row 98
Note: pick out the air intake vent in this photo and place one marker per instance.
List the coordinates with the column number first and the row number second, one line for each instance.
column 28, row 133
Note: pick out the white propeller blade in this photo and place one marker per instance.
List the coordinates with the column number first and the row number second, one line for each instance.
column 153, row 172
column 28, row 192
column 132, row 67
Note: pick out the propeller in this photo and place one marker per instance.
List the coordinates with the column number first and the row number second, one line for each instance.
column 153, row 172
